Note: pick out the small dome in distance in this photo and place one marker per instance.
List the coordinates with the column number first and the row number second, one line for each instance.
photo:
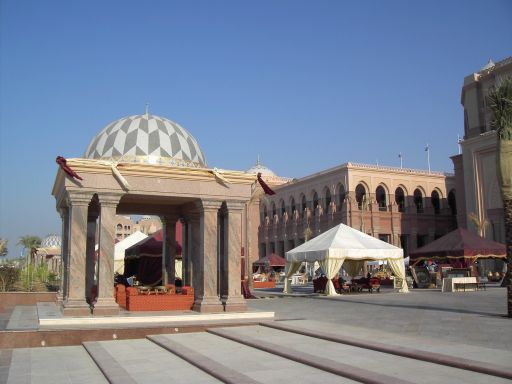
column 51, row 241
column 260, row 168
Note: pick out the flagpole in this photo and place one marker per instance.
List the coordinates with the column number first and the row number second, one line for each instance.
column 400, row 156
column 427, row 148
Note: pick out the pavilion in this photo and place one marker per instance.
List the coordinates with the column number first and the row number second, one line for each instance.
column 146, row 164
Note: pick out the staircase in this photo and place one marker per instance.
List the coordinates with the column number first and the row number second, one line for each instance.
column 292, row 351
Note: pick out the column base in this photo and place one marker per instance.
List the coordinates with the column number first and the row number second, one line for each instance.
column 208, row 304
column 234, row 304
column 105, row 307
column 76, row 308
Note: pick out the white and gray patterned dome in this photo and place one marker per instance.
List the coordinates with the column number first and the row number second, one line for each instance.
column 146, row 139
column 51, row 241
column 260, row 168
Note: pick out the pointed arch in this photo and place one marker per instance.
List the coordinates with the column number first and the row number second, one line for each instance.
column 361, row 195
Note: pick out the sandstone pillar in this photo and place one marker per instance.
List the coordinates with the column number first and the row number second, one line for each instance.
column 105, row 304
column 91, row 259
column 169, row 249
column 187, row 252
column 206, row 261
column 64, row 255
column 75, row 303
column 232, row 298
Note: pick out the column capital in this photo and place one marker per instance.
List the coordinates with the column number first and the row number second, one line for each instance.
column 78, row 198
column 109, row 199
column 233, row 205
column 208, row 205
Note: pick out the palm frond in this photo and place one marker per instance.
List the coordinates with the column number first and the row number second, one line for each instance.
column 499, row 101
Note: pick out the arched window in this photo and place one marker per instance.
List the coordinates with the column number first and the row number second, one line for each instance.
column 400, row 199
column 274, row 211
column 436, row 202
column 283, row 207
column 380, row 195
column 303, row 205
column 418, row 200
column 452, row 203
column 292, row 205
column 265, row 213
column 119, row 227
column 341, row 194
column 360, row 196
column 327, row 199
column 315, row 202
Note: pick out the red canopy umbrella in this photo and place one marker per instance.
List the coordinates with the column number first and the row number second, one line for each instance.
column 460, row 244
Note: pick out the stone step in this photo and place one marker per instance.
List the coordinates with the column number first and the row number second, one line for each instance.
column 51, row 365
column 233, row 362
column 142, row 361
column 436, row 350
column 360, row 364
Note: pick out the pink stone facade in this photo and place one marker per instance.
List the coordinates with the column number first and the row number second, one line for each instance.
column 404, row 207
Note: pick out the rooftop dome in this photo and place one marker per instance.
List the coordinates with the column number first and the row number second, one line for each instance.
column 260, row 168
column 489, row 65
column 146, row 139
column 51, row 241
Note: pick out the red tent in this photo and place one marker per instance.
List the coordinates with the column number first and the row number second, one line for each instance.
column 272, row 260
column 144, row 259
column 459, row 244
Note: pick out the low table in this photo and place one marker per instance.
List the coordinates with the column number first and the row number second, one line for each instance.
column 454, row 284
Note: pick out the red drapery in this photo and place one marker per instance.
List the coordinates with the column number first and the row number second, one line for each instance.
column 264, row 185
column 63, row 164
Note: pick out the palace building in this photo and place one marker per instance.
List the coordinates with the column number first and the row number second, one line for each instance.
column 475, row 167
column 404, row 207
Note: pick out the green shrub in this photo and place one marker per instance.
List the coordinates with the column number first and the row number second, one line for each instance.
column 9, row 274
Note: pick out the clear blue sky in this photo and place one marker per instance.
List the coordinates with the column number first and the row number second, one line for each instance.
column 305, row 84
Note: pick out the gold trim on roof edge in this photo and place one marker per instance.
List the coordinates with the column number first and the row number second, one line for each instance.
column 162, row 171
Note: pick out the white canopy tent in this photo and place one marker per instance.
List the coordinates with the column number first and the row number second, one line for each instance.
column 120, row 247
column 347, row 247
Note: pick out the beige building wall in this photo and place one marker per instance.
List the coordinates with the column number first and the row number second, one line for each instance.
column 481, row 190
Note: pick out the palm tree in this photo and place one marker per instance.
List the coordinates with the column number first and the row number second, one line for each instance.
column 29, row 242
column 3, row 247
column 500, row 103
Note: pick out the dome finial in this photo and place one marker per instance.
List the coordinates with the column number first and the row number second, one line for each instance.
column 489, row 64
column 147, row 110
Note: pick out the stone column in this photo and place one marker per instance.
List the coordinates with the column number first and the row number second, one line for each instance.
column 232, row 299
column 91, row 259
column 64, row 255
column 187, row 252
column 169, row 248
column 205, row 261
column 105, row 304
column 75, row 303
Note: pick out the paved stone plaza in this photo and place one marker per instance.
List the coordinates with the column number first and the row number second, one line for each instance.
column 475, row 318
column 314, row 339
